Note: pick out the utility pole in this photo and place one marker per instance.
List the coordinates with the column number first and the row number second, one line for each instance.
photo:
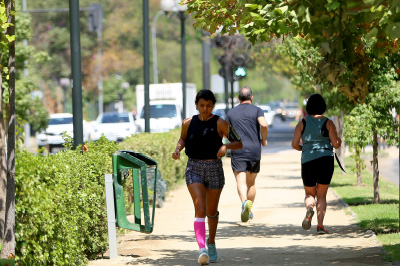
column 76, row 72
column 146, row 58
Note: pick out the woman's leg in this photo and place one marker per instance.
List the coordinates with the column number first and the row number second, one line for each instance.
column 309, row 199
column 212, row 200
column 321, row 203
column 198, row 193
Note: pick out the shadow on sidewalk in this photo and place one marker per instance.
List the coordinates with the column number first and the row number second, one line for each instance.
column 290, row 255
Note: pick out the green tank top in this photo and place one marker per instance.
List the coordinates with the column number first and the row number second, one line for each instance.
column 314, row 144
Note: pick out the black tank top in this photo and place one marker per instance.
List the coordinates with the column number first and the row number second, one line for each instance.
column 203, row 141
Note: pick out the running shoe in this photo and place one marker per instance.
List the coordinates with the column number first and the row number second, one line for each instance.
column 203, row 257
column 212, row 252
column 251, row 217
column 246, row 209
column 321, row 230
column 307, row 220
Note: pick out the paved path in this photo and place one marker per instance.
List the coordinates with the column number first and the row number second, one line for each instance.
column 274, row 237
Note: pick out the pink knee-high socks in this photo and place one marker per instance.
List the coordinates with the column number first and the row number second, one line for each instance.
column 200, row 231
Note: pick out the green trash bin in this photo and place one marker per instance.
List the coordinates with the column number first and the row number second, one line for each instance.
column 138, row 163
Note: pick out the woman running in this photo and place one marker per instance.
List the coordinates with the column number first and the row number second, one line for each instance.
column 318, row 136
column 201, row 136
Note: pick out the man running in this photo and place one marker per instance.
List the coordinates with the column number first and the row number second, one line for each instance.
column 249, row 122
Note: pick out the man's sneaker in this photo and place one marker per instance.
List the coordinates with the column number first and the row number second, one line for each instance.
column 203, row 257
column 246, row 209
column 307, row 220
column 321, row 230
column 251, row 217
column 212, row 252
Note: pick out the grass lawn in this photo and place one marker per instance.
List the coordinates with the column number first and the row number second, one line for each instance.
column 381, row 218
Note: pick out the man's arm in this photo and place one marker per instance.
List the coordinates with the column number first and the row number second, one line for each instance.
column 263, row 129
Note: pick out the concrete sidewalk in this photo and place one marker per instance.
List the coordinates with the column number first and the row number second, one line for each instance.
column 274, row 237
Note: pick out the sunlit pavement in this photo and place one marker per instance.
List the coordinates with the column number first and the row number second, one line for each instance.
column 274, row 237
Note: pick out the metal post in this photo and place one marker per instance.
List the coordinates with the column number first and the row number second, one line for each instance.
column 206, row 60
column 182, row 17
column 112, row 230
column 146, row 56
column 76, row 72
column 99, row 58
column 153, row 40
column 226, row 85
column 232, row 83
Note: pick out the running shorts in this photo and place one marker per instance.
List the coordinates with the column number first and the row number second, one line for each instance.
column 208, row 173
column 318, row 171
column 246, row 166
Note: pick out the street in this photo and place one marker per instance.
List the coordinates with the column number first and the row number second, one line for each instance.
column 279, row 136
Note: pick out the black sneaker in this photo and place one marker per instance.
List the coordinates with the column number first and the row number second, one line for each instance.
column 307, row 220
column 321, row 230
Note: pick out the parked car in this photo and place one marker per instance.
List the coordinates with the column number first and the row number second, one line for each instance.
column 164, row 116
column 219, row 109
column 279, row 108
column 269, row 114
column 114, row 126
column 59, row 123
column 292, row 109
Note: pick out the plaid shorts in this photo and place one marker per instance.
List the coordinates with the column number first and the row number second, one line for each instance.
column 208, row 173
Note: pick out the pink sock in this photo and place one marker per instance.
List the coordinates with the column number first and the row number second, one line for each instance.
column 200, row 231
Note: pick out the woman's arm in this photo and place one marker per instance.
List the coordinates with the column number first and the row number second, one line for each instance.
column 223, row 130
column 181, row 142
column 297, row 136
column 333, row 136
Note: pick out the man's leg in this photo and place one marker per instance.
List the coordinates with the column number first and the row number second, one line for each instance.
column 241, row 185
column 251, row 185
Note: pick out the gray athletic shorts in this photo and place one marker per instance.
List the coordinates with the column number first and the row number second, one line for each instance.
column 208, row 173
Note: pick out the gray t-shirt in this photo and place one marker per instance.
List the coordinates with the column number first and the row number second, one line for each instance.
column 244, row 118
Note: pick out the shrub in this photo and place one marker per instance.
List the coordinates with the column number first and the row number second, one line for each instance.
column 60, row 205
column 159, row 147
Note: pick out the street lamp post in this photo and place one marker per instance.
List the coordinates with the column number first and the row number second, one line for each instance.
column 153, row 40
column 174, row 6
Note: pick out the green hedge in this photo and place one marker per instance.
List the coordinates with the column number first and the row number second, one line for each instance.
column 159, row 147
column 60, row 198
column 60, row 205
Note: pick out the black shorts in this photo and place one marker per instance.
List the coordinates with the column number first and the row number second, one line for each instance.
column 318, row 171
column 246, row 166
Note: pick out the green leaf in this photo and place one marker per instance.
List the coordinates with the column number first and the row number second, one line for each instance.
column 332, row 5
column 372, row 34
column 308, row 16
column 393, row 30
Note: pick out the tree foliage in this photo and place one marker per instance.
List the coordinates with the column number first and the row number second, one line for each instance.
column 341, row 30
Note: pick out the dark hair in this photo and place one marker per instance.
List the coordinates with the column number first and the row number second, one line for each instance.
column 205, row 95
column 316, row 105
column 245, row 94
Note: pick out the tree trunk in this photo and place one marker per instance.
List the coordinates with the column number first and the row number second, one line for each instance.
column 8, row 249
column 398, row 122
column 358, row 166
column 3, row 166
column 375, row 165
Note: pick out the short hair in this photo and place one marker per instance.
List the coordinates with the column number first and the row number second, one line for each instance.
column 245, row 94
column 316, row 105
column 205, row 95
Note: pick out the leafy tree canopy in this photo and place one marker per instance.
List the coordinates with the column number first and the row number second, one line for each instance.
column 342, row 31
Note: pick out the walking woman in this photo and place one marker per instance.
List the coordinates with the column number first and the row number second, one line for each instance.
column 318, row 136
column 201, row 136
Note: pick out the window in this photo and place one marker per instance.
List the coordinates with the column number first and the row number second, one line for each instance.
column 115, row 118
column 60, row 121
column 161, row 110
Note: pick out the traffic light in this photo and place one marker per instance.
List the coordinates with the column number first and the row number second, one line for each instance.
column 240, row 72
